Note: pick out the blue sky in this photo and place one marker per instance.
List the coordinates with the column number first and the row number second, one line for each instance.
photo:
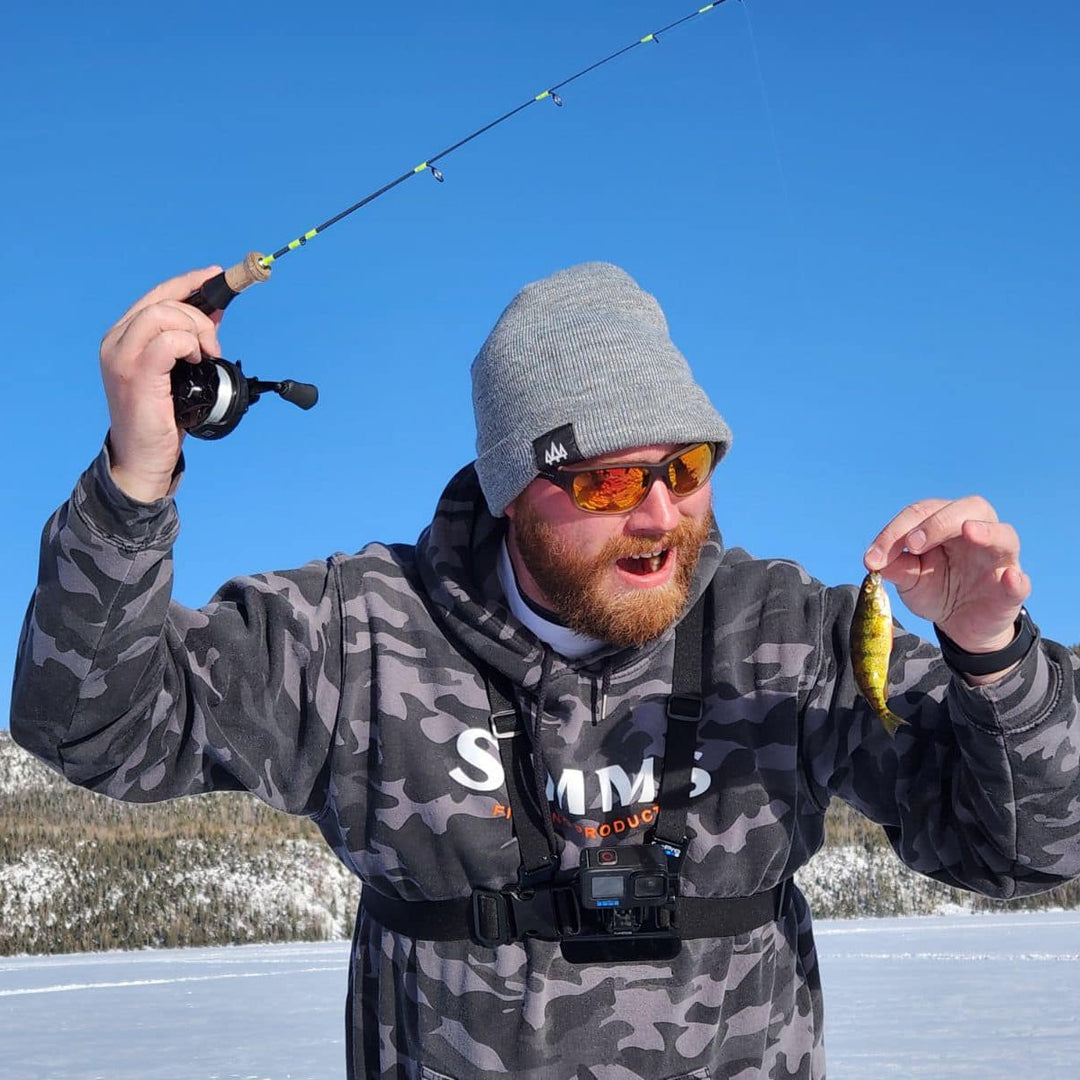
column 860, row 219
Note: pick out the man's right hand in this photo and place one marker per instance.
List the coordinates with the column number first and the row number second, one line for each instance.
column 137, row 355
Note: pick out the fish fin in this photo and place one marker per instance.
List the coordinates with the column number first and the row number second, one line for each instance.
column 891, row 721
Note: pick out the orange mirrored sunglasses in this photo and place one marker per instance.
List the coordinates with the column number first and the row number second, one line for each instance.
column 617, row 489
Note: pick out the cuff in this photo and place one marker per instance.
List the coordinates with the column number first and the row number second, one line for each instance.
column 1016, row 702
column 119, row 519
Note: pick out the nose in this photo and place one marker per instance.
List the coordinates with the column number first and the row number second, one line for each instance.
column 656, row 514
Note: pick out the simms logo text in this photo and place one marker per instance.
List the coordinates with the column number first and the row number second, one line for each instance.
column 575, row 789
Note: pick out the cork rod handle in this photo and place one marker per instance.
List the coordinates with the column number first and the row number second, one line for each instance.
column 246, row 273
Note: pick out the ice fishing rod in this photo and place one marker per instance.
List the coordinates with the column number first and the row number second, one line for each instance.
column 212, row 396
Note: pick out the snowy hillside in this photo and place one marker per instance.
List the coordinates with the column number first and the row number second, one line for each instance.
column 78, row 871
column 81, row 872
column 20, row 773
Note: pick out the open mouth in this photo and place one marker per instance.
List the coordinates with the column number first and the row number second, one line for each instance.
column 649, row 563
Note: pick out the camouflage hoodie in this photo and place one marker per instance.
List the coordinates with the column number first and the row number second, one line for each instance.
column 348, row 690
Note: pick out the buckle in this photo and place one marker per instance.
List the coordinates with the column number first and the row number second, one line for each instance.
column 490, row 919
column 500, row 916
column 505, row 724
column 685, row 707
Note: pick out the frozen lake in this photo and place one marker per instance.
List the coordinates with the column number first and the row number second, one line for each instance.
column 992, row 997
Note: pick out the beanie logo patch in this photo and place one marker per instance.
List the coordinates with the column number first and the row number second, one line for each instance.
column 557, row 447
column 555, row 453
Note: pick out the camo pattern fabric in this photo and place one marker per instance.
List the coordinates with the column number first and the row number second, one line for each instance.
column 352, row 690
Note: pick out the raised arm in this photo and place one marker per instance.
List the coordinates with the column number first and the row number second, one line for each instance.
column 133, row 695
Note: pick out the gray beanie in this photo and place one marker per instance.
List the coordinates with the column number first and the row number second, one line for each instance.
column 580, row 364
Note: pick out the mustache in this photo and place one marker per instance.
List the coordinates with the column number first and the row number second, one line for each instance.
column 687, row 534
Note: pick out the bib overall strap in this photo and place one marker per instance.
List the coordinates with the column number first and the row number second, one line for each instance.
column 684, row 712
column 538, row 861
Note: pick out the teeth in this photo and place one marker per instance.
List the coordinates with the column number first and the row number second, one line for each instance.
column 653, row 559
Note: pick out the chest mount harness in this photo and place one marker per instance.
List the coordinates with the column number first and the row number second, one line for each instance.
column 622, row 902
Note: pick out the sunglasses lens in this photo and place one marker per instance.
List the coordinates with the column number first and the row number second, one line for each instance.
column 621, row 488
column 609, row 491
column 690, row 469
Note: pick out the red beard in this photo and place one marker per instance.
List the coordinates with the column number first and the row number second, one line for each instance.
column 574, row 586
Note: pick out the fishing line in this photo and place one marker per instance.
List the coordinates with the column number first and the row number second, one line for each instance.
column 768, row 108
column 215, row 294
column 796, row 259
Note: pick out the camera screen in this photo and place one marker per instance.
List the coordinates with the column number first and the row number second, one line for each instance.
column 605, row 886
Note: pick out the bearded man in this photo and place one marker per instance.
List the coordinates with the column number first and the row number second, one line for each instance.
column 574, row 747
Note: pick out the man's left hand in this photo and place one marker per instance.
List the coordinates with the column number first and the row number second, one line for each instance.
column 954, row 564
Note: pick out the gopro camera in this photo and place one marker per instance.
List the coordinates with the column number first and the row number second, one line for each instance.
column 616, row 879
column 626, row 897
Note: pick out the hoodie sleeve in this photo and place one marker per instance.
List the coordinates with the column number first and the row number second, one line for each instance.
column 981, row 789
column 136, row 697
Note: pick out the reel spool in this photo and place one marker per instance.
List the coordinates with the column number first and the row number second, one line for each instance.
column 212, row 396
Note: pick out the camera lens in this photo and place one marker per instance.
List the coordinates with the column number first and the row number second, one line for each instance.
column 649, row 886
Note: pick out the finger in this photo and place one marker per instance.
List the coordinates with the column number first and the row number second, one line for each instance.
column 141, row 408
column 207, row 325
column 1001, row 544
column 184, row 333
column 176, row 288
column 1017, row 584
column 161, row 354
column 904, row 572
column 948, row 523
column 203, row 324
column 998, row 538
column 889, row 544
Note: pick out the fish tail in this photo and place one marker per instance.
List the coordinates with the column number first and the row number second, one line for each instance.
column 890, row 721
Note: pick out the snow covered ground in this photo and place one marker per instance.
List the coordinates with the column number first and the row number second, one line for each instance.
column 992, row 997
column 937, row 998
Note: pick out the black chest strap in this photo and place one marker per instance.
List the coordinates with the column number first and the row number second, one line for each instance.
column 493, row 917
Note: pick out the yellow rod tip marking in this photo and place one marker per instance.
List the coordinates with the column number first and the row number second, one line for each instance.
column 421, row 167
column 707, row 7
column 647, row 37
column 294, row 244
column 312, row 232
column 540, row 97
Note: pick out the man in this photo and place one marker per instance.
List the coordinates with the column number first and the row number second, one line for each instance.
column 470, row 718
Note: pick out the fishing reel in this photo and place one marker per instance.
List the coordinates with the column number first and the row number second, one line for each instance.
column 211, row 397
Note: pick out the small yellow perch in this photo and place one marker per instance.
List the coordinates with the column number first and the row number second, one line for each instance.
column 871, row 644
